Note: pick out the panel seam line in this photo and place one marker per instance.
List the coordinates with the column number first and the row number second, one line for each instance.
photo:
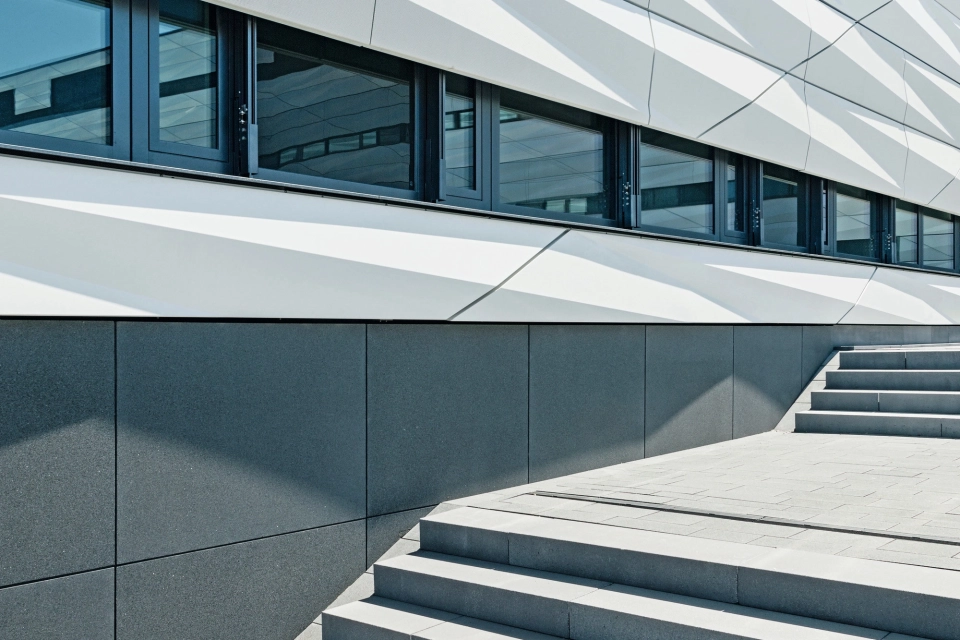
column 508, row 278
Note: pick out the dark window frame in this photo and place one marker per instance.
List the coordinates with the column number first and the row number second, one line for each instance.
column 877, row 224
column 719, row 160
column 147, row 147
column 804, row 208
column 922, row 212
column 611, row 145
column 119, row 147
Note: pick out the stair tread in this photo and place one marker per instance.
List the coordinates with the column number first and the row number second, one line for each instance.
column 879, row 414
column 631, row 608
column 417, row 622
column 896, row 391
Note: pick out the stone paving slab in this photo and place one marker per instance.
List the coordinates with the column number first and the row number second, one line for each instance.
column 825, row 491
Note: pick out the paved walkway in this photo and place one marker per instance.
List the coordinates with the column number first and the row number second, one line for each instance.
column 873, row 497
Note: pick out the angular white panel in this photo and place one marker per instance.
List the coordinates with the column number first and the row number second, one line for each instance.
column 953, row 6
column 698, row 82
column 827, row 25
column 932, row 102
column 923, row 28
column 169, row 247
column 931, row 165
column 593, row 54
column 865, row 69
column 853, row 145
column 897, row 296
column 773, row 128
column 948, row 200
column 774, row 31
column 350, row 21
column 595, row 277
column 856, row 9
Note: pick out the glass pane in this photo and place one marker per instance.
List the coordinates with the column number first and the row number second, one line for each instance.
column 938, row 241
column 676, row 183
column 782, row 215
column 459, row 126
column 332, row 110
column 854, row 222
column 188, row 72
column 735, row 214
column 906, row 233
column 551, row 157
column 55, row 68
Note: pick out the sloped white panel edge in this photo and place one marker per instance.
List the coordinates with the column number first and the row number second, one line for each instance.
column 592, row 54
column 931, row 166
column 596, row 277
column 168, row 247
column 855, row 146
column 349, row 21
column 773, row 128
column 698, row 82
column 908, row 297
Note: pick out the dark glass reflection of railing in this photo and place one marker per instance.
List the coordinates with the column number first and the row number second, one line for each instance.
column 381, row 137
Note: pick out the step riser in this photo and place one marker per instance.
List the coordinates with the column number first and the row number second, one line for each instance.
column 899, row 360
column 894, row 380
column 847, row 603
column 711, row 581
column 836, row 602
column 886, row 402
column 873, row 424
column 524, row 611
column 872, row 360
column 337, row 628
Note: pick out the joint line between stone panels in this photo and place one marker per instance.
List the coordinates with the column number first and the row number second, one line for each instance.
column 116, row 475
column 236, row 542
column 646, row 348
column 859, row 297
column 508, row 278
column 733, row 386
column 529, row 331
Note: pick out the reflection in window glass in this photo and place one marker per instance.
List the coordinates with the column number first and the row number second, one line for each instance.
column 55, row 68
column 855, row 228
column 459, row 131
column 735, row 214
column 906, row 229
column 937, row 240
column 551, row 157
column 188, row 72
column 676, row 183
column 332, row 110
column 782, row 214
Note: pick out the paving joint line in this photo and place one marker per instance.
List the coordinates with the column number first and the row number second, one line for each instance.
column 639, row 504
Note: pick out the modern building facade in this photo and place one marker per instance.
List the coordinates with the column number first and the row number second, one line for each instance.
column 278, row 277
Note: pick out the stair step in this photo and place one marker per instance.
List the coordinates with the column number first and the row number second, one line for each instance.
column 894, row 380
column 880, row 595
column 916, row 425
column 382, row 619
column 930, row 402
column 568, row 607
column 901, row 359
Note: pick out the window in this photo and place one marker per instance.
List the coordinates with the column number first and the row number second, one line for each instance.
column 332, row 111
column 188, row 73
column 735, row 211
column 938, row 240
column 784, row 207
column 907, row 231
column 460, row 132
column 676, row 183
column 553, row 158
column 856, row 223
column 57, row 74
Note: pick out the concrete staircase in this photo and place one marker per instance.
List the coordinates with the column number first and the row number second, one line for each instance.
column 889, row 391
column 486, row 574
